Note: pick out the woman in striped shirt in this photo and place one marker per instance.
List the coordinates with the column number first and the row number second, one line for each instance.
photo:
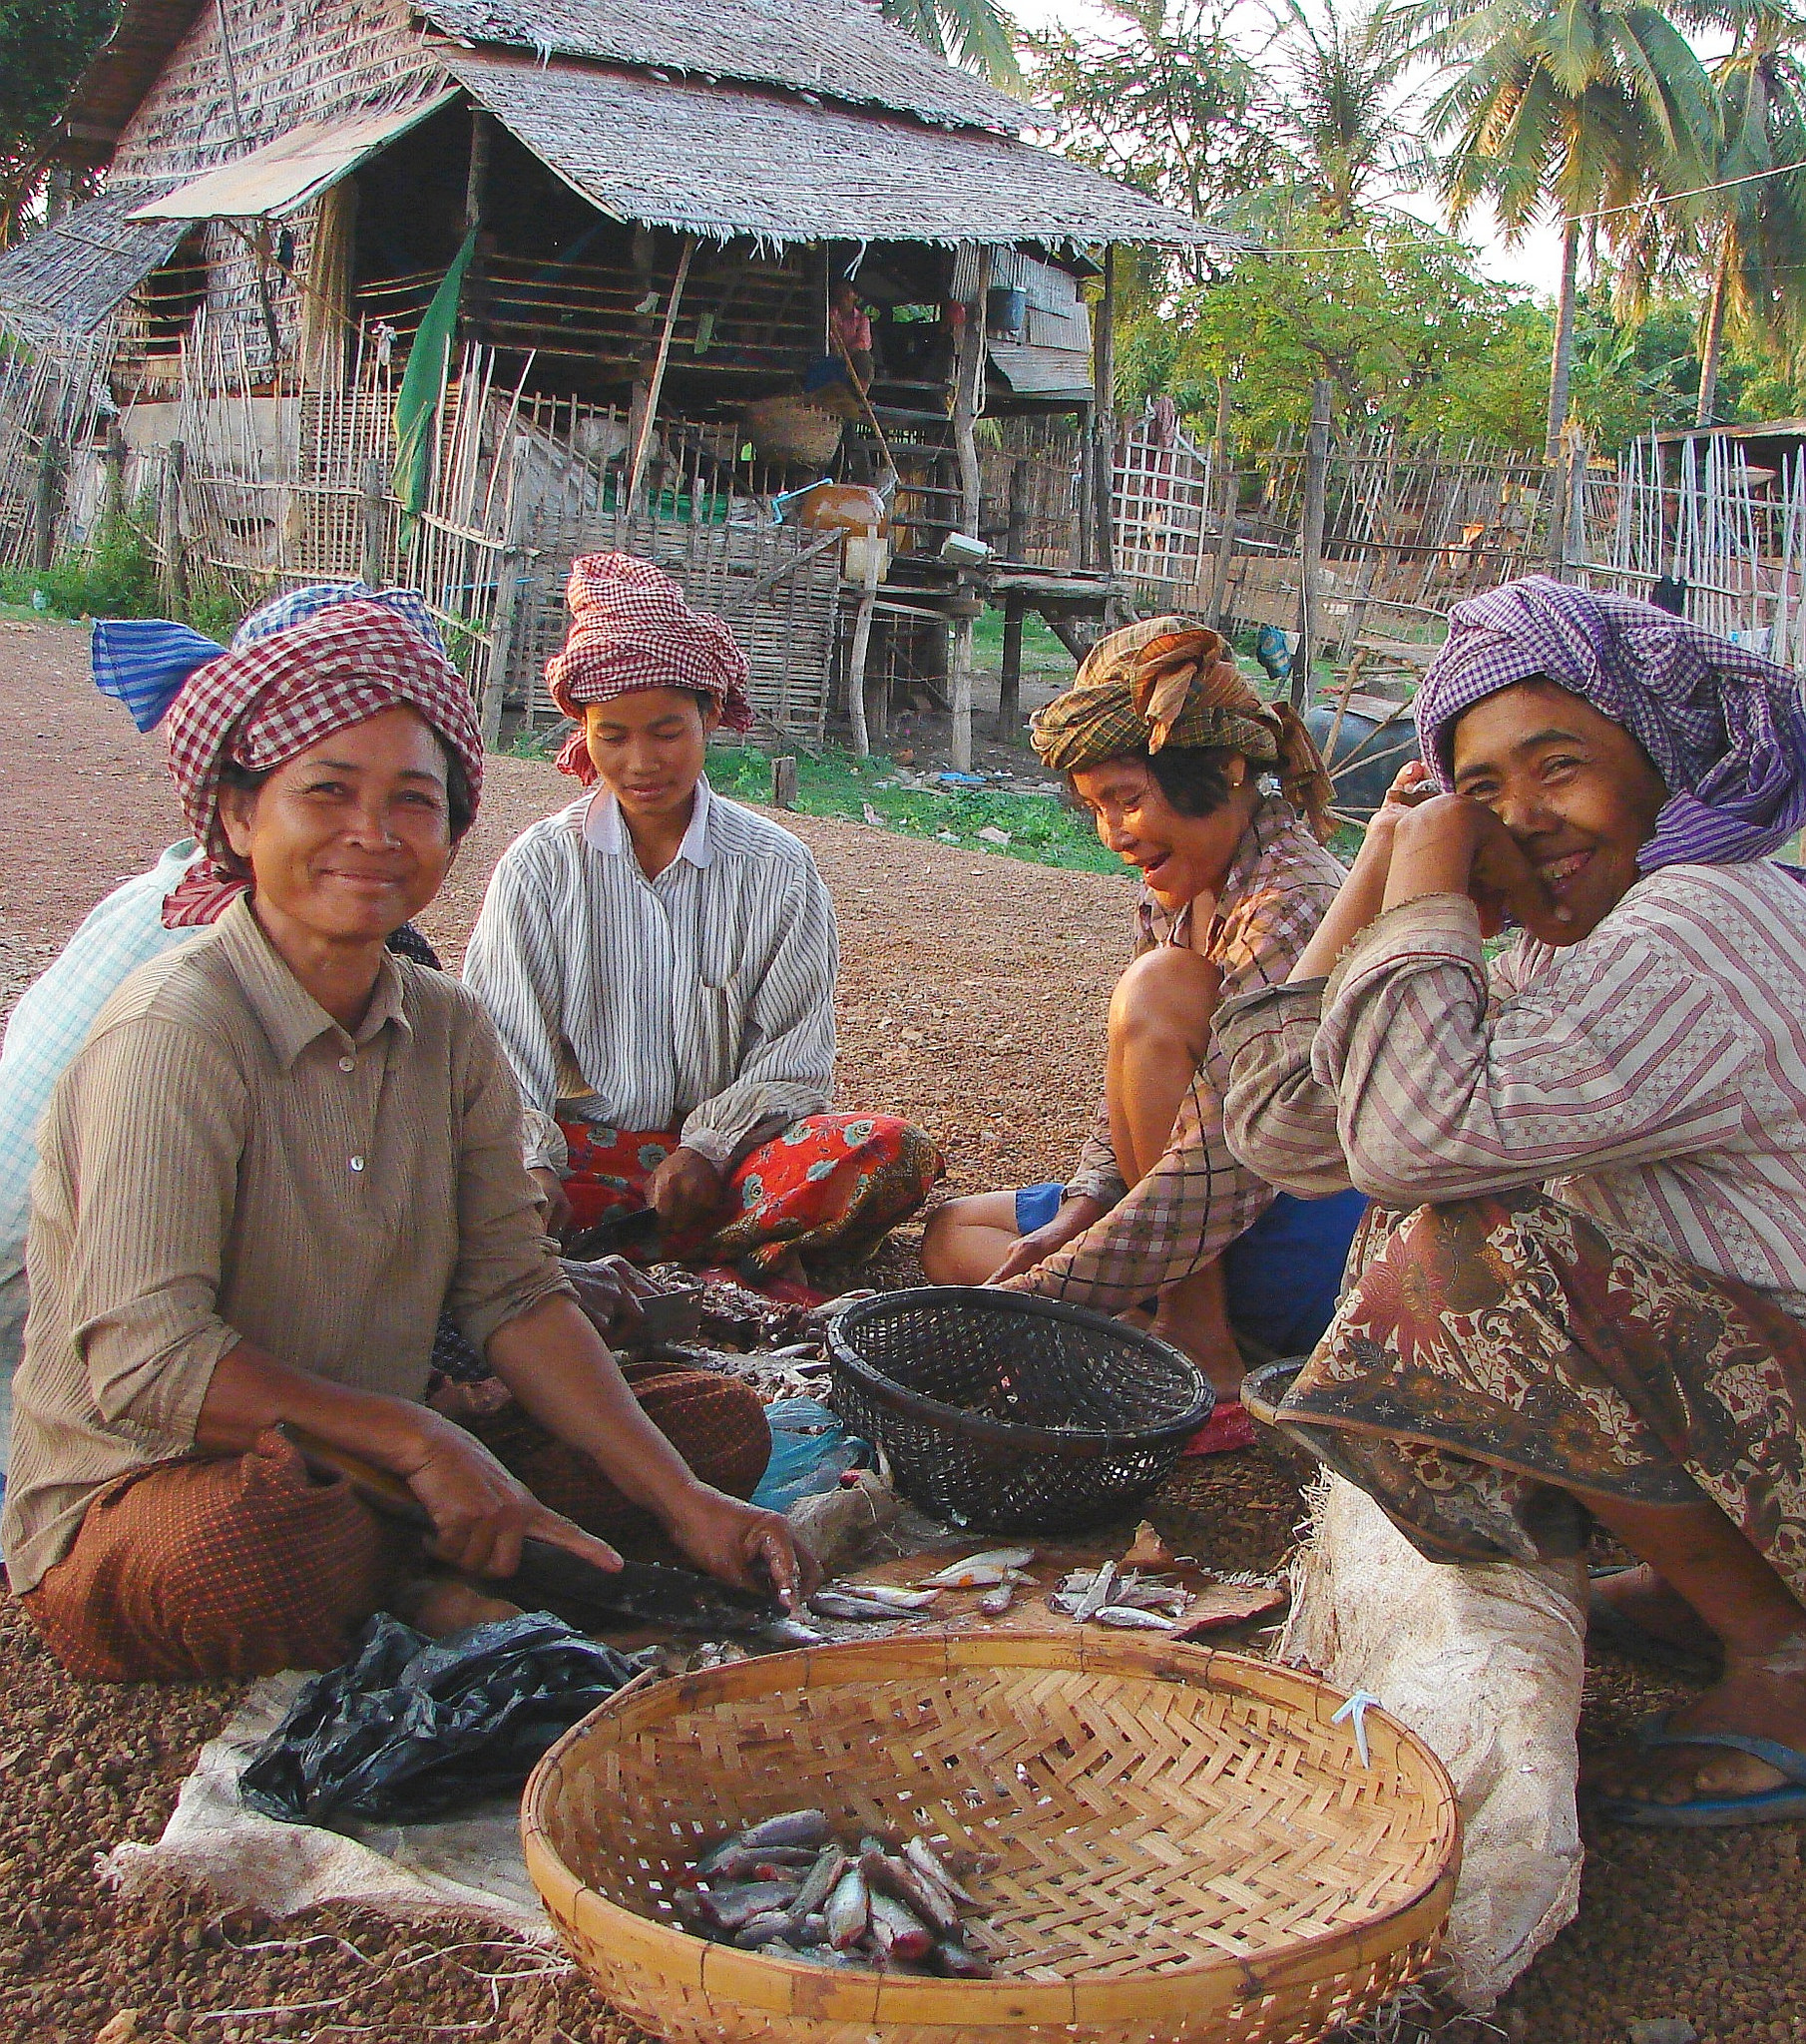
column 660, row 966
column 1581, row 1296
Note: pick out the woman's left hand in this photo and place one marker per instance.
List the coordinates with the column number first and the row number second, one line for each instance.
column 685, row 1188
column 1454, row 845
column 609, row 1289
column 739, row 1544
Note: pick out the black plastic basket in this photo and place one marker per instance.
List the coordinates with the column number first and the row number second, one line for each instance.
column 1011, row 1413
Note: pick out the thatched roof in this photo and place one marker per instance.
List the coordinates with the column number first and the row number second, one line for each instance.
column 722, row 160
column 121, row 71
column 69, row 276
column 842, row 49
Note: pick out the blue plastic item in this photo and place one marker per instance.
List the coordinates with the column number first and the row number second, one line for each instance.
column 809, row 1450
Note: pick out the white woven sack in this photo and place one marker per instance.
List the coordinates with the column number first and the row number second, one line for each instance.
column 1485, row 1662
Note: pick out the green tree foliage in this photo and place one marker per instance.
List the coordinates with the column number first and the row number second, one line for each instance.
column 977, row 32
column 44, row 46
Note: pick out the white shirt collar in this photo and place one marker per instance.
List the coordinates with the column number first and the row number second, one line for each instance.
column 602, row 825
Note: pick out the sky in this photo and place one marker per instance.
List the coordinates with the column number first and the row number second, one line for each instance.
column 1534, row 263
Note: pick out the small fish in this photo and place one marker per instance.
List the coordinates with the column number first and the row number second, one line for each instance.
column 793, row 1828
column 820, row 1880
column 1004, row 1557
column 837, row 1604
column 1061, row 1601
column 762, row 1929
column 810, row 1955
column 1097, row 1594
column 693, row 1912
column 734, row 1909
column 733, row 1861
column 1128, row 1617
column 848, row 1910
column 1152, row 1596
column 887, row 1593
column 926, row 1859
column 966, row 1575
column 886, row 1874
column 813, row 1930
column 790, row 1632
column 994, row 1603
column 898, row 1932
column 959, row 1962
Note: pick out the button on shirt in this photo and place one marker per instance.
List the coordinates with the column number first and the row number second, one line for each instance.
column 194, row 1191
column 702, row 999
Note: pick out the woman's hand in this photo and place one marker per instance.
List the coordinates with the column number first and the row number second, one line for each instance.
column 610, row 1290
column 558, row 1203
column 481, row 1513
column 1074, row 1218
column 1363, row 895
column 739, row 1544
column 684, row 1189
column 1452, row 845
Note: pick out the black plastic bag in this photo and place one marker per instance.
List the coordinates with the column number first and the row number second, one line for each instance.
column 411, row 1726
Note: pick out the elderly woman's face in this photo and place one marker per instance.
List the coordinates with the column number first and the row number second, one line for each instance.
column 352, row 839
column 1576, row 791
column 1179, row 858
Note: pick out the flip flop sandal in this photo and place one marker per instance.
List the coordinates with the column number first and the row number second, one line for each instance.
column 1761, row 1807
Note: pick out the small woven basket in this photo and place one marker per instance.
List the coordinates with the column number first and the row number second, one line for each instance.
column 1176, row 1844
column 1011, row 1413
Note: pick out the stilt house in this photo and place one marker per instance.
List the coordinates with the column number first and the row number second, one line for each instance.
column 645, row 209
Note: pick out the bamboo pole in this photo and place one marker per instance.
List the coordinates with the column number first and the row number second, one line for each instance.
column 648, row 417
column 1310, row 549
column 1104, row 415
column 855, row 660
column 968, row 392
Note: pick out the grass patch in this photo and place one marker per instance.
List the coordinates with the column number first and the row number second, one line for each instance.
column 1041, row 651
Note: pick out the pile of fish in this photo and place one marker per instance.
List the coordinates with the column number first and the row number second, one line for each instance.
column 788, row 1888
column 997, row 1573
column 1120, row 1597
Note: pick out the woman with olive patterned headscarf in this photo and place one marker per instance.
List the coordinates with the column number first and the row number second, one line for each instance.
column 1221, row 802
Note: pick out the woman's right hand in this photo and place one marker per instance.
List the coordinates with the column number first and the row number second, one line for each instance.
column 1075, row 1216
column 480, row 1513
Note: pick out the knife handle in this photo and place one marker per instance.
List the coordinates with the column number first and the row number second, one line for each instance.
column 379, row 1488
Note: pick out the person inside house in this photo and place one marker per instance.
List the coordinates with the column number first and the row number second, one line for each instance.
column 1579, row 1295
column 144, row 663
column 660, row 967
column 1221, row 802
column 281, row 1151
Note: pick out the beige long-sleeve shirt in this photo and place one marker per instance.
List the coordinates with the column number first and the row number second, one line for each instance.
column 224, row 1162
column 1653, row 1076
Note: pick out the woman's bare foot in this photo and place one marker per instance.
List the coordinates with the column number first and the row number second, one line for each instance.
column 1643, row 1599
column 1753, row 1698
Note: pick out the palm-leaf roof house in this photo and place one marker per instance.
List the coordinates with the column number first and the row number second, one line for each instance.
column 658, row 196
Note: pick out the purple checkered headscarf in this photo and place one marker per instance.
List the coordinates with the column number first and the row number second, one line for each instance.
column 1725, row 727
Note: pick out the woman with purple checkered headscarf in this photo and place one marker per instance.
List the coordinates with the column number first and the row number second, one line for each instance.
column 1581, row 1296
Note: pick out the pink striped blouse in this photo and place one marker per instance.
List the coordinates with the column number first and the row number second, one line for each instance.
column 1653, row 1076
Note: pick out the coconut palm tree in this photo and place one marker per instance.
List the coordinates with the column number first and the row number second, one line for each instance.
column 1755, row 229
column 1340, row 111
column 1587, row 105
column 978, row 32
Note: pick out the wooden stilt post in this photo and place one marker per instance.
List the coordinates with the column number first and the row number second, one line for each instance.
column 170, row 543
column 1008, row 683
column 1310, row 549
column 1104, row 418
column 650, row 416
column 968, row 395
column 375, row 523
column 44, row 503
column 855, row 659
column 783, row 781
column 508, row 595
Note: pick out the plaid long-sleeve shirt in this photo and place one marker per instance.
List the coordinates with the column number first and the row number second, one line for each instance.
column 1197, row 1199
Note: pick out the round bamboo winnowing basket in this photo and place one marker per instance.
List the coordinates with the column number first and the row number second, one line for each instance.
column 1179, row 1843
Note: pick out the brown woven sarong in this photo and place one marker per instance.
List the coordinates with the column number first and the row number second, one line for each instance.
column 1499, row 1361
column 243, row 1565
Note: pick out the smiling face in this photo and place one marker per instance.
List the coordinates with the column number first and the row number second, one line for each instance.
column 1576, row 791
column 648, row 749
column 353, row 837
column 1180, row 856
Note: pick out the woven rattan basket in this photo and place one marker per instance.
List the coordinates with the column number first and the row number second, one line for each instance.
column 1180, row 1844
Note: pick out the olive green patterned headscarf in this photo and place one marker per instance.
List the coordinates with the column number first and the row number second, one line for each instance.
column 1169, row 682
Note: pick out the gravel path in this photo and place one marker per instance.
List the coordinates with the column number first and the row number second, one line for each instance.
column 973, row 994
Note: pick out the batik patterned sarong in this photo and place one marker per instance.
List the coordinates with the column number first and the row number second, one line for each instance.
column 1500, row 1361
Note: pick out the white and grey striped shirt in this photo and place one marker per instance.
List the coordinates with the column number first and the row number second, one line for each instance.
column 703, row 998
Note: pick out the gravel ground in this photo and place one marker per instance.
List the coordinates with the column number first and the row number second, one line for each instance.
column 973, row 994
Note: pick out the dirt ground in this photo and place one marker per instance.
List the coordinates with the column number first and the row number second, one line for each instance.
column 972, row 1000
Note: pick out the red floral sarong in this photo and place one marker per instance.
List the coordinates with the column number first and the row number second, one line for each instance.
column 830, row 1183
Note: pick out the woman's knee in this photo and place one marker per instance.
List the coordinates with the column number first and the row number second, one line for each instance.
column 1168, row 991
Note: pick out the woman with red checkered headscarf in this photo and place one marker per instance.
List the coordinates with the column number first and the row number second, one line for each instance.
column 660, row 966
column 280, row 1154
